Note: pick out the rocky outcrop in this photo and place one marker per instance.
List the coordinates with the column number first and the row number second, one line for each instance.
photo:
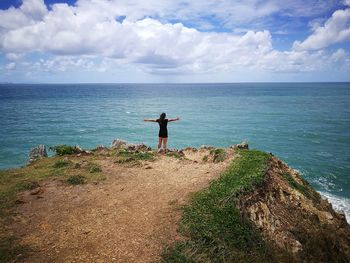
column 131, row 147
column 37, row 153
column 243, row 145
column 292, row 215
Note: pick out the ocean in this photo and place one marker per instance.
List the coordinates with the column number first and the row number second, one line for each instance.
column 305, row 124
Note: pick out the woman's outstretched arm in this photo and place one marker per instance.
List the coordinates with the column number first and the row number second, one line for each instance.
column 176, row 119
column 150, row 120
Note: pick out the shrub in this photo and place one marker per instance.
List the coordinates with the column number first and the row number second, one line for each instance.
column 219, row 155
column 95, row 168
column 76, row 179
column 64, row 149
column 128, row 157
column 61, row 163
column 27, row 185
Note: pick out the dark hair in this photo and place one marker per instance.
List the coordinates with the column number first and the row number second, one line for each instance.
column 162, row 117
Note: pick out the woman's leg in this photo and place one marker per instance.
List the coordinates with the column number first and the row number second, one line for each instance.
column 165, row 140
column 160, row 142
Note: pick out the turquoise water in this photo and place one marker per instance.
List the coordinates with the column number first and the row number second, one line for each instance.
column 306, row 125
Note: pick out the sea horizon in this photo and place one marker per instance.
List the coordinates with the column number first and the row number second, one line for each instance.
column 304, row 124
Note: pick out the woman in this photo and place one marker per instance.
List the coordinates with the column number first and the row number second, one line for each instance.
column 163, row 130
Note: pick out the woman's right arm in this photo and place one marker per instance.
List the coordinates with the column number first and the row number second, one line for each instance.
column 150, row 120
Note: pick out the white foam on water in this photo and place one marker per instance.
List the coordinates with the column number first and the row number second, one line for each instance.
column 339, row 203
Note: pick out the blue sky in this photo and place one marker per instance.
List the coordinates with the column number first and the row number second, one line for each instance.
column 174, row 41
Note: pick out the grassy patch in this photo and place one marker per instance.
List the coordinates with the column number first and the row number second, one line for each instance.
column 205, row 158
column 131, row 157
column 219, row 155
column 175, row 254
column 95, row 168
column 64, row 149
column 76, row 179
column 10, row 249
column 13, row 181
column 61, row 163
column 27, row 185
column 214, row 228
column 174, row 155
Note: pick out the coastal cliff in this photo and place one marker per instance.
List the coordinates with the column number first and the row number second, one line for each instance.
column 128, row 203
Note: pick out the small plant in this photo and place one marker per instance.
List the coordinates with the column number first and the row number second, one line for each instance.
column 174, row 154
column 64, row 149
column 28, row 185
column 10, row 248
column 205, row 158
column 76, row 179
column 128, row 157
column 95, row 168
column 60, row 163
column 219, row 155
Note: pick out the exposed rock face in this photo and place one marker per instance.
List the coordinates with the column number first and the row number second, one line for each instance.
column 37, row 153
column 117, row 144
column 242, row 145
column 120, row 144
column 293, row 216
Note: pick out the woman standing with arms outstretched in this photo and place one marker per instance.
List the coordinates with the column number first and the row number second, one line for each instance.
column 163, row 130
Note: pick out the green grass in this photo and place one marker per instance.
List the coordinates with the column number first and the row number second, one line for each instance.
column 95, row 168
column 214, row 227
column 13, row 181
column 10, row 249
column 219, row 155
column 76, row 179
column 174, row 154
column 133, row 157
column 64, row 149
column 61, row 163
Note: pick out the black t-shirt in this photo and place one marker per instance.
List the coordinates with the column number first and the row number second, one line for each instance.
column 163, row 131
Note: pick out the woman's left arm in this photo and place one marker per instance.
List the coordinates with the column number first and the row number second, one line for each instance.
column 176, row 119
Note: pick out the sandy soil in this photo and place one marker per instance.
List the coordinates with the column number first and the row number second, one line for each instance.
column 130, row 217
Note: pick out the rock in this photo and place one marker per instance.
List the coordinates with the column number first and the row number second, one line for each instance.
column 189, row 149
column 78, row 148
column 37, row 153
column 293, row 220
column 36, row 191
column 243, row 145
column 206, row 147
column 20, row 200
column 131, row 147
column 118, row 144
column 100, row 148
column 160, row 151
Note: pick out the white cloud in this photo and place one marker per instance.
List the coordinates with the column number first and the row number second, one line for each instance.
column 10, row 66
column 335, row 30
column 88, row 37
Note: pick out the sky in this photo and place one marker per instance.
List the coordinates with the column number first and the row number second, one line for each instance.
column 120, row 41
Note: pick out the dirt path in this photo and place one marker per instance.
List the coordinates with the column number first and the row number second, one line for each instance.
column 127, row 218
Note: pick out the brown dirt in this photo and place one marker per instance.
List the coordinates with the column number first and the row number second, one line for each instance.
column 130, row 217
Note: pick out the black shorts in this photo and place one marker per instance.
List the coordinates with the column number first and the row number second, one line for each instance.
column 163, row 134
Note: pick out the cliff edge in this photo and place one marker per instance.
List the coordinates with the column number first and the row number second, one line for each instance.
column 128, row 203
